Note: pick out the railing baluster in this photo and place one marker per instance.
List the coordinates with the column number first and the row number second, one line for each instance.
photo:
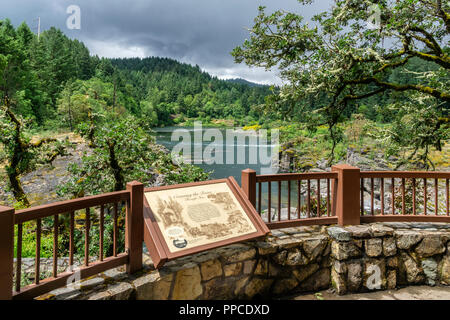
column 328, row 197
column 269, row 201
column 372, row 196
column 19, row 256
column 393, row 195
column 361, row 197
column 289, row 200
column 334, row 197
column 436, row 203
column 124, row 208
column 308, row 199
column 55, row 245
column 279, row 200
column 71, row 238
column 414, row 195
column 259, row 198
column 403, row 197
column 318, row 198
column 102, row 231
column 425, row 197
column 299, row 198
column 37, row 263
column 448, row 196
column 115, row 230
column 382, row 195
column 87, row 224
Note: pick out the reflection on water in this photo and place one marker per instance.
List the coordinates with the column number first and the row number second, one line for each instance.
column 229, row 167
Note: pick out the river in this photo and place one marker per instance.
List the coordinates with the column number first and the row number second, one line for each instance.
column 229, row 166
column 166, row 137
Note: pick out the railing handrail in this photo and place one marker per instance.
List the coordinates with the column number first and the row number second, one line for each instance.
column 364, row 174
column 66, row 206
column 406, row 174
column 296, row 176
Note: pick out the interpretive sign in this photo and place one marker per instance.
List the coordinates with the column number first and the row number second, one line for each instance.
column 189, row 218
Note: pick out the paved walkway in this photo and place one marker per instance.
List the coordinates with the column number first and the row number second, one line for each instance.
column 408, row 293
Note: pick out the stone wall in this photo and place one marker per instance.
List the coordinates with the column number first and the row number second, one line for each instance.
column 293, row 260
column 46, row 267
column 389, row 255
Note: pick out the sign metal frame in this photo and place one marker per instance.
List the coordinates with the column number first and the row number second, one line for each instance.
column 154, row 239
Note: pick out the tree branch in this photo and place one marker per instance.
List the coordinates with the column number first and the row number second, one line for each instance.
column 443, row 61
column 403, row 87
column 428, row 40
column 41, row 142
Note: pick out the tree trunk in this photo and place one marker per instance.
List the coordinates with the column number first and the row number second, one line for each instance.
column 70, row 115
column 16, row 186
column 14, row 163
column 117, row 170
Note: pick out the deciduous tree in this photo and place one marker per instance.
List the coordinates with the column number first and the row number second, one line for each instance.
column 341, row 57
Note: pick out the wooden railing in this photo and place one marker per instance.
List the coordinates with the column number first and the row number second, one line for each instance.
column 335, row 197
column 345, row 195
column 407, row 194
column 312, row 209
column 130, row 199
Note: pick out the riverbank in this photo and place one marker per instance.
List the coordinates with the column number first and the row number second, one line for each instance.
column 362, row 144
column 301, row 151
column 42, row 184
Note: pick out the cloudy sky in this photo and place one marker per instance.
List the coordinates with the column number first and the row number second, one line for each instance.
column 199, row 32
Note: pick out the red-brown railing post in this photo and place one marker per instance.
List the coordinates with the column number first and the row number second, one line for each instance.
column 347, row 199
column 248, row 183
column 6, row 252
column 134, row 233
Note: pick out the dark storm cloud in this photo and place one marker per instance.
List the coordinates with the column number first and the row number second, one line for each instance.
column 199, row 32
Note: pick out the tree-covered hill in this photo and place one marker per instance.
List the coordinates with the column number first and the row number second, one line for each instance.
column 243, row 81
column 168, row 87
column 53, row 81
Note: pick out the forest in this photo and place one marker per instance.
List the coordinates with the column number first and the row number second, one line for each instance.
column 51, row 81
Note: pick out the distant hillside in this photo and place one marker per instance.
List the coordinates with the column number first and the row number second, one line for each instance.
column 55, row 80
column 174, row 88
column 246, row 82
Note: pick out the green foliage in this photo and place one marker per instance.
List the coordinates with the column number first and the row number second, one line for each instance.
column 21, row 155
column 123, row 150
column 54, row 83
column 419, row 125
column 172, row 90
column 338, row 62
